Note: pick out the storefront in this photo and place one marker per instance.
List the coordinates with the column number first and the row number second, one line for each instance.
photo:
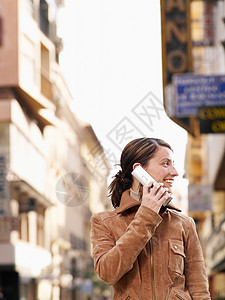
column 9, row 282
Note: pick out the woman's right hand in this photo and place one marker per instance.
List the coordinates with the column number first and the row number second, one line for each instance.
column 154, row 197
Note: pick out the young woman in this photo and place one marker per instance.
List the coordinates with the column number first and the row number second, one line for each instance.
column 145, row 250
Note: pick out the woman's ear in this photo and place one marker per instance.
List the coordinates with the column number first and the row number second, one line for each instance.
column 135, row 165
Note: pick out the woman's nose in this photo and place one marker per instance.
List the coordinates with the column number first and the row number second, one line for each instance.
column 174, row 171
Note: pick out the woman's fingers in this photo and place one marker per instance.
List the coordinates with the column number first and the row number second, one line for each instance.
column 155, row 189
column 165, row 197
column 158, row 186
column 154, row 195
column 146, row 188
column 160, row 192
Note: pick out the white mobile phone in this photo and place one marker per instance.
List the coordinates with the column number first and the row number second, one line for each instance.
column 144, row 178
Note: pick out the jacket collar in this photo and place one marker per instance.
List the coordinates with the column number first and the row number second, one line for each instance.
column 127, row 202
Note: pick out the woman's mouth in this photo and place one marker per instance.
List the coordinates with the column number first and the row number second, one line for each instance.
column 169, row 181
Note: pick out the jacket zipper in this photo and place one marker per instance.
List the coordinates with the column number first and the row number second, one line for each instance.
column 152, row 269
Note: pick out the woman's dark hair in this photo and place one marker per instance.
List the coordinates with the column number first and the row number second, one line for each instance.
column 137, row 151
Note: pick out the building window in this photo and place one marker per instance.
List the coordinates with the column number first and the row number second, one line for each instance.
column 202, row 23
column 24, row 227
column 44, row 22
column 46, row 86
column 41, row 226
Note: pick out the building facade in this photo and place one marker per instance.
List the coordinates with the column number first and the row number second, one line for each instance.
column 206, row 159
column 49, row 179
column 195, row 37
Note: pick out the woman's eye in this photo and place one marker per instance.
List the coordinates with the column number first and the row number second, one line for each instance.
column 166, row 163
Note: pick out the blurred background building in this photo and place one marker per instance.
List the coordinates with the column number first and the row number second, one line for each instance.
column 194, row 74
column 53, row 170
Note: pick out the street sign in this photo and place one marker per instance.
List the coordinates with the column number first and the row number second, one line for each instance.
column 176, row 38
column 212, row 119
column 193, row 91
column 199, row 197
column 176, row 52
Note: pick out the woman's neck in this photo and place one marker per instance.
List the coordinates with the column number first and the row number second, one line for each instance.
column 134, row 195
column 135, row 186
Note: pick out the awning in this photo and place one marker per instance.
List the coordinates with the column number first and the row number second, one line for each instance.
column 22, row 186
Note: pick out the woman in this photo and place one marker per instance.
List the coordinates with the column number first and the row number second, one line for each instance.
column 143, row 249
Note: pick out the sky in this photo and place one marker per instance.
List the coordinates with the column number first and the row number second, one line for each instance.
column 111, row 61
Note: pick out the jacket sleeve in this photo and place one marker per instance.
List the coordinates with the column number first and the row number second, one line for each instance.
column 113, row 259
column 195, row 271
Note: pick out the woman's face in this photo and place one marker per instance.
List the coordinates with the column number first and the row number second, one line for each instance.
column 161, row 166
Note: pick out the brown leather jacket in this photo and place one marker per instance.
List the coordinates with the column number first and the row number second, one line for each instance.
column 148, row 256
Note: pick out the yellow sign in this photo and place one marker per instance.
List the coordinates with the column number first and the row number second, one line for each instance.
column 212, row 119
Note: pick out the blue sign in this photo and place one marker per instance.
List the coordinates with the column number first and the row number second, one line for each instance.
column 193, row 91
